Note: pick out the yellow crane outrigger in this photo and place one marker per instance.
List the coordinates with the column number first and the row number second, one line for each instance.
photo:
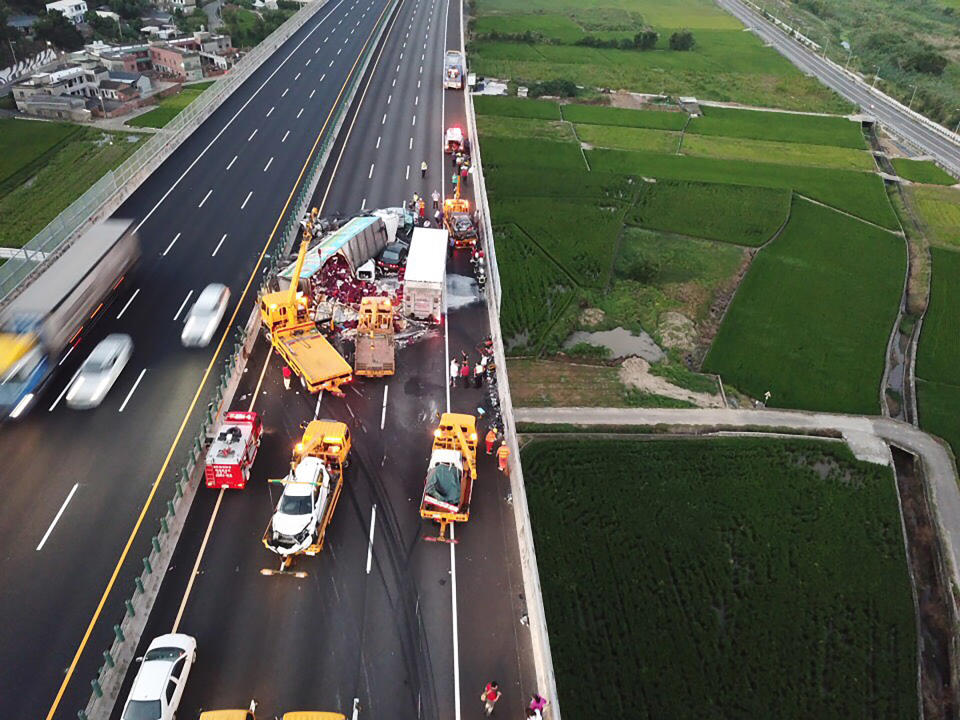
column 451, row 474
column 287, row 318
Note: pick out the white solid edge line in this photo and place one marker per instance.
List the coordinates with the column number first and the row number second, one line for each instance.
column 57, row 518
column 176, row 237
column 63, row 392
column 373, row 518
column 456, row 632
column 130, row 394
column 217, row 248
column 230, row 121
column 119, row 314
column 383, row 413
column 72, row 347
column 182, row 306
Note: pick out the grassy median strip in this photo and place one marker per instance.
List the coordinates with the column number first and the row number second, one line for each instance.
column 168, row 108
column 745, row 578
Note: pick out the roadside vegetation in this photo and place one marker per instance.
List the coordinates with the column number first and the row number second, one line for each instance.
column 169, row 107
column 922, row 171
column 679, row 48
column 740, row 577
column 46, row 166
column 939, row 211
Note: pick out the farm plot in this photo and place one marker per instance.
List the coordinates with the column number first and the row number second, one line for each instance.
column 536, row 310
column 539, row 154
column 525, row 128
column 922, row 171
column 662, row 141
column 731, row 213
column 624, row 117
column 737, row 577
column 860, row 194
column 516, row 107
column 939, row 209
column 168, row 108
column 782, row 153
column 808, row 323
column 25, row 145
column 782, row 127
column 512, row 182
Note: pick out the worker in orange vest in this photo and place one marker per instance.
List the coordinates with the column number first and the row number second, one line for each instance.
column 503, row 455
column 491, row 440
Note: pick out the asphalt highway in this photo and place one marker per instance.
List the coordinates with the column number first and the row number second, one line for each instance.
column 890, row 114
column 74, row 483
column 403, row 627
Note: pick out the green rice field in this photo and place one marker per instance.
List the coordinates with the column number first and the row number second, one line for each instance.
column 922, row 171
column 168, row 108
column 807, row 323
column 778, row 126
column 780, row 153
column 726, row 578
column 939, row 210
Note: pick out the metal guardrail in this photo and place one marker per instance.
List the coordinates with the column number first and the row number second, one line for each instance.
column 186, row 480
column 107, row 194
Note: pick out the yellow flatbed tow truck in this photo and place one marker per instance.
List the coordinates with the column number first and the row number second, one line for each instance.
column 310, row 495
column 288, row 321
column 250, row 714
column 376, row 344
column 451, row 473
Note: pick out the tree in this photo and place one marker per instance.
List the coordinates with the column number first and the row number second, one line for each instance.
column 56, row 29
column 646, row 39
column 103, row 28
column 682, row 40
column 926, row 61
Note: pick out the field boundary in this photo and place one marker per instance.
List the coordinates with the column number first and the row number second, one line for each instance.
column 852, row 216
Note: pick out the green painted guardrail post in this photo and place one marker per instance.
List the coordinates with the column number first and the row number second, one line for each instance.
column 171, row 509
column 147, row 566
column 155, row 542
column 82, row 715
column 108, row 659
column 164, row 528
column 118, row 631
column 138, row 583
column 129, row 605
column 97, row 690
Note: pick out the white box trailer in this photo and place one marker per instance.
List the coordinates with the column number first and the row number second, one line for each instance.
column 425, row 279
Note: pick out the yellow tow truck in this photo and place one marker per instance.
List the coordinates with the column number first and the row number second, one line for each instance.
column 250, row 714
column 376, row 343
column 451, row 473
column 288, row 321
column 310, row 494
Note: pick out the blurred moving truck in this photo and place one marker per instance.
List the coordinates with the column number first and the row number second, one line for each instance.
column 51, row 313
column 426, row 276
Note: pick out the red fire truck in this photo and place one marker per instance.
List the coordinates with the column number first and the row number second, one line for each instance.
column 233, row 450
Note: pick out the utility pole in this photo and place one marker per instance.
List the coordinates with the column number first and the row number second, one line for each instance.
column 849, row 55
column 957, row 128
column 910, row 106
column 876, row 76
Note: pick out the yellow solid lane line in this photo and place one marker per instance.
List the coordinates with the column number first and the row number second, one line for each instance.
column 196, row 396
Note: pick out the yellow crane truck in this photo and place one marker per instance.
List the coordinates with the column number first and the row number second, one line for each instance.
column 451, row 473
column 288, row 322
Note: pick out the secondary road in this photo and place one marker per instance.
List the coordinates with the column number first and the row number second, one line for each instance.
column 408, row 629
column 890, row 113
column 74, row 483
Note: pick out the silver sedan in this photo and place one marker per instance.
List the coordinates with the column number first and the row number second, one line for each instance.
column 100, row 371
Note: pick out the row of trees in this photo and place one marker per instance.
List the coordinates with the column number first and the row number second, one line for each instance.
column 646, row 39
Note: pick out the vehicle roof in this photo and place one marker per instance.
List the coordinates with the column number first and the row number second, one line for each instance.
column 325, row 429
column 109, row 345
column 313, row 715
column 225, row 715
column 308, row 471
column 450, row 457
column 427, row 259
column 67, row 271
column 467, row 421
column 210, row 295
column 151, row 680
column 12, row 349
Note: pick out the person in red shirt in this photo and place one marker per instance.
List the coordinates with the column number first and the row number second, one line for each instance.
column 489, row 696
column 465, row 374
column 286, row 376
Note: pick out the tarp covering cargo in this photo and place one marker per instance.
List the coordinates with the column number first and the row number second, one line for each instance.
column 357, row 240
column 443, row 483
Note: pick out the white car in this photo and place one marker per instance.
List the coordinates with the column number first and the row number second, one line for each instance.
column 158, row 687
column 302, row 504
column 100, row 371
column 205, row 315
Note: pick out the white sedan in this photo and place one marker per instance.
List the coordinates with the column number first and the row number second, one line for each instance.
column 294, row 525
column 100, row 371
column 158, row 687
column 205, row 315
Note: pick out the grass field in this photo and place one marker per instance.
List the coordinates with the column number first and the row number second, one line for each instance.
column 857, row 193
column 922, row 171
column 730, row 213
column 537, row 154
column 516, row 107
column 781, row 127
column 730, row 578
column 939, row 210
column 600, row 115
column 807, row 323
column 26, row 145
column 57, row 178
column 629, row 138
column 782, row 153
column 168, row 108
column 512, row 182
column 529, row 128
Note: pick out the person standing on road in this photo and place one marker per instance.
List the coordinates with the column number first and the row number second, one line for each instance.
column 423, row 169
column 454, row 372
column 503, row 457
column 465, row 374
column 537, row 703
column 286, row 377
column 478, row 374
column 489, row 696
column 491, row 440
column 436, row 199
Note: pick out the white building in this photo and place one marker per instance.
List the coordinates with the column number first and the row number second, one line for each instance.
column 73, row 10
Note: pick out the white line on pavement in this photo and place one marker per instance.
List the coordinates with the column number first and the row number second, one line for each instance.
column 175, row 238
column 63, row 507
column 252, row 134
column 408, row 173
column 423, row 57
column 421, row 69
column 331, row 64
column 401, row 56
column 384, row 120
column 322, row 77
column 235, row 115
column 269, row 162
column 383, row 413
column 317, row 50
column 411, row 144
column 455, row 623
column 299, row 113
column 63, row 392
column 217, row 248
column 205, row 198
column 182, row 306
column 311, row 93
column 285, row 136
column 370, row 174
column 316, row 409
column 389, row 98
column 394, row 83
column 296, row 77
column 246, row 200
column 363, row 204
column 414, row 120
column 67, row 353
column 416, row 100
column 418, row 84
column 270, row 111
column 132, row 390
column 373, row 518
column 232, row 162
column 340, row 50
column 119, row 314
column 378, row 142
